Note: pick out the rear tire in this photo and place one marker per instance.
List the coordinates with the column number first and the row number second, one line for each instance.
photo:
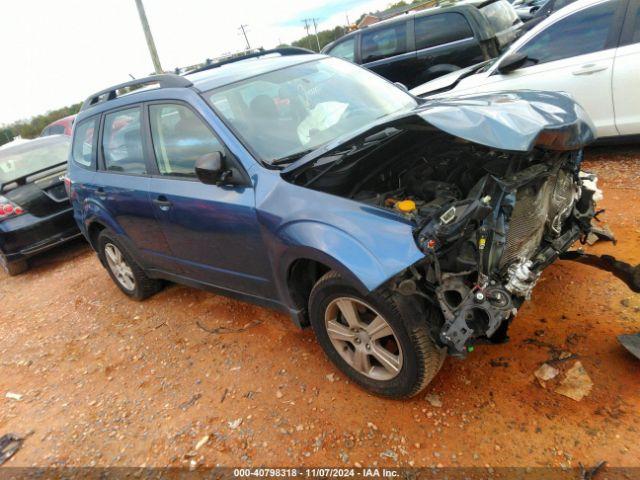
column 387, row 349
column 123, row 269
column 14, row 268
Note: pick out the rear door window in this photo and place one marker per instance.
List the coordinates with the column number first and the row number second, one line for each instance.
column 345, row 49
column 122, row 142
column 180, row 137
column 84, row 140
column 434, row 30
column 384, row 42
column 581, row 33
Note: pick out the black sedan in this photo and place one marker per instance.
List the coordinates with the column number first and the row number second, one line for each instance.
column 35, row 213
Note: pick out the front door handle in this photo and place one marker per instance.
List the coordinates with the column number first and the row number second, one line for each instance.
column 162, row 203
column 589, row 68
column 101, row 194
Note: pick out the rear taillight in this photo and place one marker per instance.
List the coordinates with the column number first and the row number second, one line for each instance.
column 67, row 185
column 8, row 209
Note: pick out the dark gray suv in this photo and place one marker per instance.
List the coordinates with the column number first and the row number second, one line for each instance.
column 416, row 48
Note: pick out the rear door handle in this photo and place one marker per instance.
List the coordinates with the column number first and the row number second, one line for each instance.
column 589, row 68
column 162, row 203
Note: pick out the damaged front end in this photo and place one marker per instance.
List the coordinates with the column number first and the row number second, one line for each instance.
column 485, row 253
column 493, row 187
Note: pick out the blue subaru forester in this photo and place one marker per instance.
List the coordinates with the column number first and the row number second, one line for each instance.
column 400, row 229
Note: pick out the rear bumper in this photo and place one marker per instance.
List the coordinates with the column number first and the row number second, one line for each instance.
column 25, row 236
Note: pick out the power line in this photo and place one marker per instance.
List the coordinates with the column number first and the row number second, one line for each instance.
column 307, row 22
column 315, row 27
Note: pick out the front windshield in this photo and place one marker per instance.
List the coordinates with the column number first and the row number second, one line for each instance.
column 288, row 112
column 22, row 160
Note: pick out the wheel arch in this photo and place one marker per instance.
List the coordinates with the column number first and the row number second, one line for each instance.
column 312, row 249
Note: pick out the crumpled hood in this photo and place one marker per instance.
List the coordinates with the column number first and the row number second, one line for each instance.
column 515, row 121
column 445, row 82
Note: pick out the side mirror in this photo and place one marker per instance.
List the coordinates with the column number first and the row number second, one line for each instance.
column 211, row 170
column 401, row 86
column 512, row 62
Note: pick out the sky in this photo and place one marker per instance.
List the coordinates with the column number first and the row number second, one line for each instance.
column 55, row 54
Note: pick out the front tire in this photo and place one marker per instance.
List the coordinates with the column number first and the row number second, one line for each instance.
column 381, row 341
column 123, row 270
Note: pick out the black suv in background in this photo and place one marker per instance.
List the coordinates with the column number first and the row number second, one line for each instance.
column 415, row 48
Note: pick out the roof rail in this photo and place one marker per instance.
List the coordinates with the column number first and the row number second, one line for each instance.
column 166, row 80
column 283, row 51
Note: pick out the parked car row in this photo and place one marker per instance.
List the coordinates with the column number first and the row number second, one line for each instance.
column 590, row 50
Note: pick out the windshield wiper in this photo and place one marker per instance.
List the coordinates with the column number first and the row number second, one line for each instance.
column 291, row 158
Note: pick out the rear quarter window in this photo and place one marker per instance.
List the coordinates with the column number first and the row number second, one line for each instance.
column 384, row 42
column 434, row 30
column 84, row 144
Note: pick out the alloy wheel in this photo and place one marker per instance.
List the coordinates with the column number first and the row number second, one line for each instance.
column 119, row 266
column 363, row 338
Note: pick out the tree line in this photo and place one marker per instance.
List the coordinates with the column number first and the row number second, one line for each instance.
column 31, row 128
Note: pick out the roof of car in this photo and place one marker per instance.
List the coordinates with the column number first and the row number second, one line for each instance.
column 470, row 7
column 243, row 69
column 208, row 77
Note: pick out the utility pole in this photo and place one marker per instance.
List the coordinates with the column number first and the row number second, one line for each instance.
column 315, row 27
column 244, row 32
column 306, row 27
column 149, row 37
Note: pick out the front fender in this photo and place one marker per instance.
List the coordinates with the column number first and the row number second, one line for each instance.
column 366, row 268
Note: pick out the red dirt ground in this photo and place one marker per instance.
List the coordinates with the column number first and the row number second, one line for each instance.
column 108, row 381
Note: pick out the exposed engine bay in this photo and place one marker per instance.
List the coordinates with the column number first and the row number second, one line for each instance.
column 487, row 221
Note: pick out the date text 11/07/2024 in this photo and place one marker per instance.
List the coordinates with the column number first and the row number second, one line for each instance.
column 316, row 472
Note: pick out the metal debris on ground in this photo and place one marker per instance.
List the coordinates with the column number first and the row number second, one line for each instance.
column 10, row 443
column 577, row 384
column 222, row 330
column 590, row 474
column 600, row 233
column 190, row 402
column 631, row 343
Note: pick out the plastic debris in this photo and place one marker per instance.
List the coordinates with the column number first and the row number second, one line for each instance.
column 546, row 372
column 14, row 396
column 202, row 442
column 577, row 384
column 434, row 400
column 235, row 423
